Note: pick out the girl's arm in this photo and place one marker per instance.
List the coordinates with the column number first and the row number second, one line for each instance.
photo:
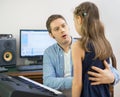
column 77, row 56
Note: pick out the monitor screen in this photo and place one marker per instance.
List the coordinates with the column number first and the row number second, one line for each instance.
column 34, row 42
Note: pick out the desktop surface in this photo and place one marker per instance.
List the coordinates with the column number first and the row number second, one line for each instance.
column 35, row 75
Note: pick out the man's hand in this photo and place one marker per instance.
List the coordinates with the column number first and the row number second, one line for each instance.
column 102, row 76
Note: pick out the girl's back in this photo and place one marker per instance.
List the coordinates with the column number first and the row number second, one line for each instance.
column 88, row 89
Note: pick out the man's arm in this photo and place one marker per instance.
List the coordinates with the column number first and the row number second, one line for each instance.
column 107, row 76
column 52, row 72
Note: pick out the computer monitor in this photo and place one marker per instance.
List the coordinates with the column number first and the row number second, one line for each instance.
column 34, row 42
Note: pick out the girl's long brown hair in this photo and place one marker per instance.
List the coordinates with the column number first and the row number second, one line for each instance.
column 93, row 31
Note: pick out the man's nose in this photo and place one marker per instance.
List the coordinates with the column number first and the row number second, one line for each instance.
column 62, row 30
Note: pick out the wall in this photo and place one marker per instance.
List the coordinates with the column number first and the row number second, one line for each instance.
column 32, row 14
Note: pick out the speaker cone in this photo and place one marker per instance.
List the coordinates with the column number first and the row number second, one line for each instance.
column 8, row 56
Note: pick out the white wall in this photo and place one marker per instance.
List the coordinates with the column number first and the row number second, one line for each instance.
column 32, row 14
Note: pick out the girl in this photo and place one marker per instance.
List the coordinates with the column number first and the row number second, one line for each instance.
column 90, row 50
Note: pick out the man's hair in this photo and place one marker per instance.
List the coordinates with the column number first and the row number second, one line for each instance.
column 52, row 18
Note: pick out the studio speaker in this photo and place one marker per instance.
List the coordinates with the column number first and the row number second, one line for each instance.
column 7, row 52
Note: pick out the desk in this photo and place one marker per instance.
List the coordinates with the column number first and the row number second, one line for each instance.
column 34, row 75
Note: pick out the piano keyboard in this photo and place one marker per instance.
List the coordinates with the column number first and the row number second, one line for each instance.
column 41, row 85
column 23, row 87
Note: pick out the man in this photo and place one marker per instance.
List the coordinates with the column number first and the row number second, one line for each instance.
column 57, row 60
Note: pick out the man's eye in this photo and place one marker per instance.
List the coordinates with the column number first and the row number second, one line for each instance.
column 63, row 26
column 56, row 29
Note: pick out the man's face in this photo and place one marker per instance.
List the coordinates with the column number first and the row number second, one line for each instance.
column 60, row 31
